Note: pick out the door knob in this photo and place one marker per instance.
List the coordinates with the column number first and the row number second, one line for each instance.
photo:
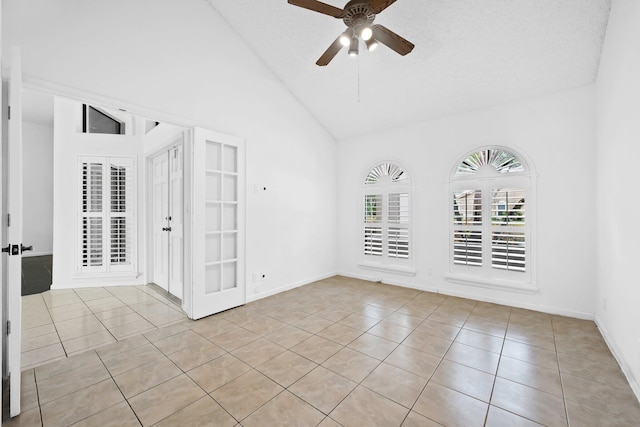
column 166, row 228
column 24, row 248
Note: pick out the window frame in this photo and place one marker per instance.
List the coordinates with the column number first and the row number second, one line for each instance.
column 385, row 187
column 108, row 268
column 487, row 181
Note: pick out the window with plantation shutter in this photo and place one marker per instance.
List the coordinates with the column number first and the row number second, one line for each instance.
column 490, row 232
column 386, row 232
column 107, row 235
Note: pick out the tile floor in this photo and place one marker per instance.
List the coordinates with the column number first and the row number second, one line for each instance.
column 60, row 323
column 342, row 352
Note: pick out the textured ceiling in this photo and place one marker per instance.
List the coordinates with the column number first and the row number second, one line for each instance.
column 469, row 54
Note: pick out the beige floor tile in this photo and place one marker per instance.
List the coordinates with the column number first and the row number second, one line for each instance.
column 603, row 397
column 40, row 341
column 536, row 405
column 473, row 357
column 257, row 352
column 27, row 418
column 165, row 331
column 313, row 324
column 108, row 313
column 165, row 399
column 203, row 412
column 316, row 349
column 470, row 381
column 121, row 320
column 374, row 346
column 288, row 336
column 285, row 409
column 119, row 415
column 57, row 386
column 323, row 389
column 286, row 368
column 606, row 373
column 41, row 355
column 246, row 393
column 89, row 341
column 535, row 376
column 196, row 355
column 178, row 341
column 489, row 327
column 133, row 328
column 537, row 340
column 89, row 358
column 28, row 333
column 359, row 321
column 125, row 361
column 391, row 331
column 444, row 315
column 439, row 330
column 234, row 339
column 362, row 407
column 126, row 344
column 211, row 326
column 396, row 384
column 414, row 361
column 81, row 404
column 416, row 420
column 145, row 377
column 71, row 314
column 265, row 326
column 449, row 407
column 218, row 372
column 376, row 312
column 28, row 390
column 586, row 416
column 340, row 333
column 480, row 340
column 426, row 343
column 500, row 418
column 527, row 353
column 351, row 364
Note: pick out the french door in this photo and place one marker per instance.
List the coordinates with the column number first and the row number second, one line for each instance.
column 218, row 223
column 167, row 213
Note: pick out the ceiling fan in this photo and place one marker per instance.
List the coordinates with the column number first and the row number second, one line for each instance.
column 358, row 16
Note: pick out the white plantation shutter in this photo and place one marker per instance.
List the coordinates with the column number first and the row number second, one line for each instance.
column 386, row 214
column 490, row 232
column 107, row 214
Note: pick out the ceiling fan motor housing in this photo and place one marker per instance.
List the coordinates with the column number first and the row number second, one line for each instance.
column 357, row 13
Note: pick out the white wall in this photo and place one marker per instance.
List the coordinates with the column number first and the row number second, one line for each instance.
column 618, row 147
column 37, row 188
column 181, row 58
column 556, row 133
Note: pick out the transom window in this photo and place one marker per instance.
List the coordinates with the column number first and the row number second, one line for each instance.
column 386, row 232
column 490, row 233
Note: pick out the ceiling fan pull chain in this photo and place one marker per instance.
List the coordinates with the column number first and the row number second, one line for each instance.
column 358, row 60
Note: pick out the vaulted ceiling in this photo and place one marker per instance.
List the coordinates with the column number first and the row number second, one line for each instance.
column 469, row 54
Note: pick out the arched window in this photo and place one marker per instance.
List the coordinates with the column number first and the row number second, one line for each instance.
column 490, row 220
column 386, row 214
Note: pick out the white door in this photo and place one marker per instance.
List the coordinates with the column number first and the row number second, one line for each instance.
column 14, row 232
column 160, row 215
column 167, row 214
column 218, row 281
column 175, row 232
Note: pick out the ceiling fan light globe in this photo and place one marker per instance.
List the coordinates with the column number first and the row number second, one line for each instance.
column 366, row 33
column 345, row 40
column 353, row 46
column 372, row 44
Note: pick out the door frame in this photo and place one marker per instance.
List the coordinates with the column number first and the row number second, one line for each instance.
column 186, row 200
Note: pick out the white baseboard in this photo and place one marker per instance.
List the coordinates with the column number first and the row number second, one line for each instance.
column 626, row 370
column 288, row 287
column 477, row 297
column 33, row 254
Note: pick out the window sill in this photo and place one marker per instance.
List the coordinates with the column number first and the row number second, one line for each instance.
column 397, row 269
column 510, row 285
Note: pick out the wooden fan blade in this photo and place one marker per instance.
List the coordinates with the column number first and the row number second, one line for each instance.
column 380, row 5
column 392, row 40
column 318, row 6
column 330, row 53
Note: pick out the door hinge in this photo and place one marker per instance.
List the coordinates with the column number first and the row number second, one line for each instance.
column 8, row 112
column 8, row 220
column 8, row 327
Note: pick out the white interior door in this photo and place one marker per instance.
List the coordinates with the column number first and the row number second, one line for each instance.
column 218, row 223
column 14, row 232
column 160, row 215
column 176, row 203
